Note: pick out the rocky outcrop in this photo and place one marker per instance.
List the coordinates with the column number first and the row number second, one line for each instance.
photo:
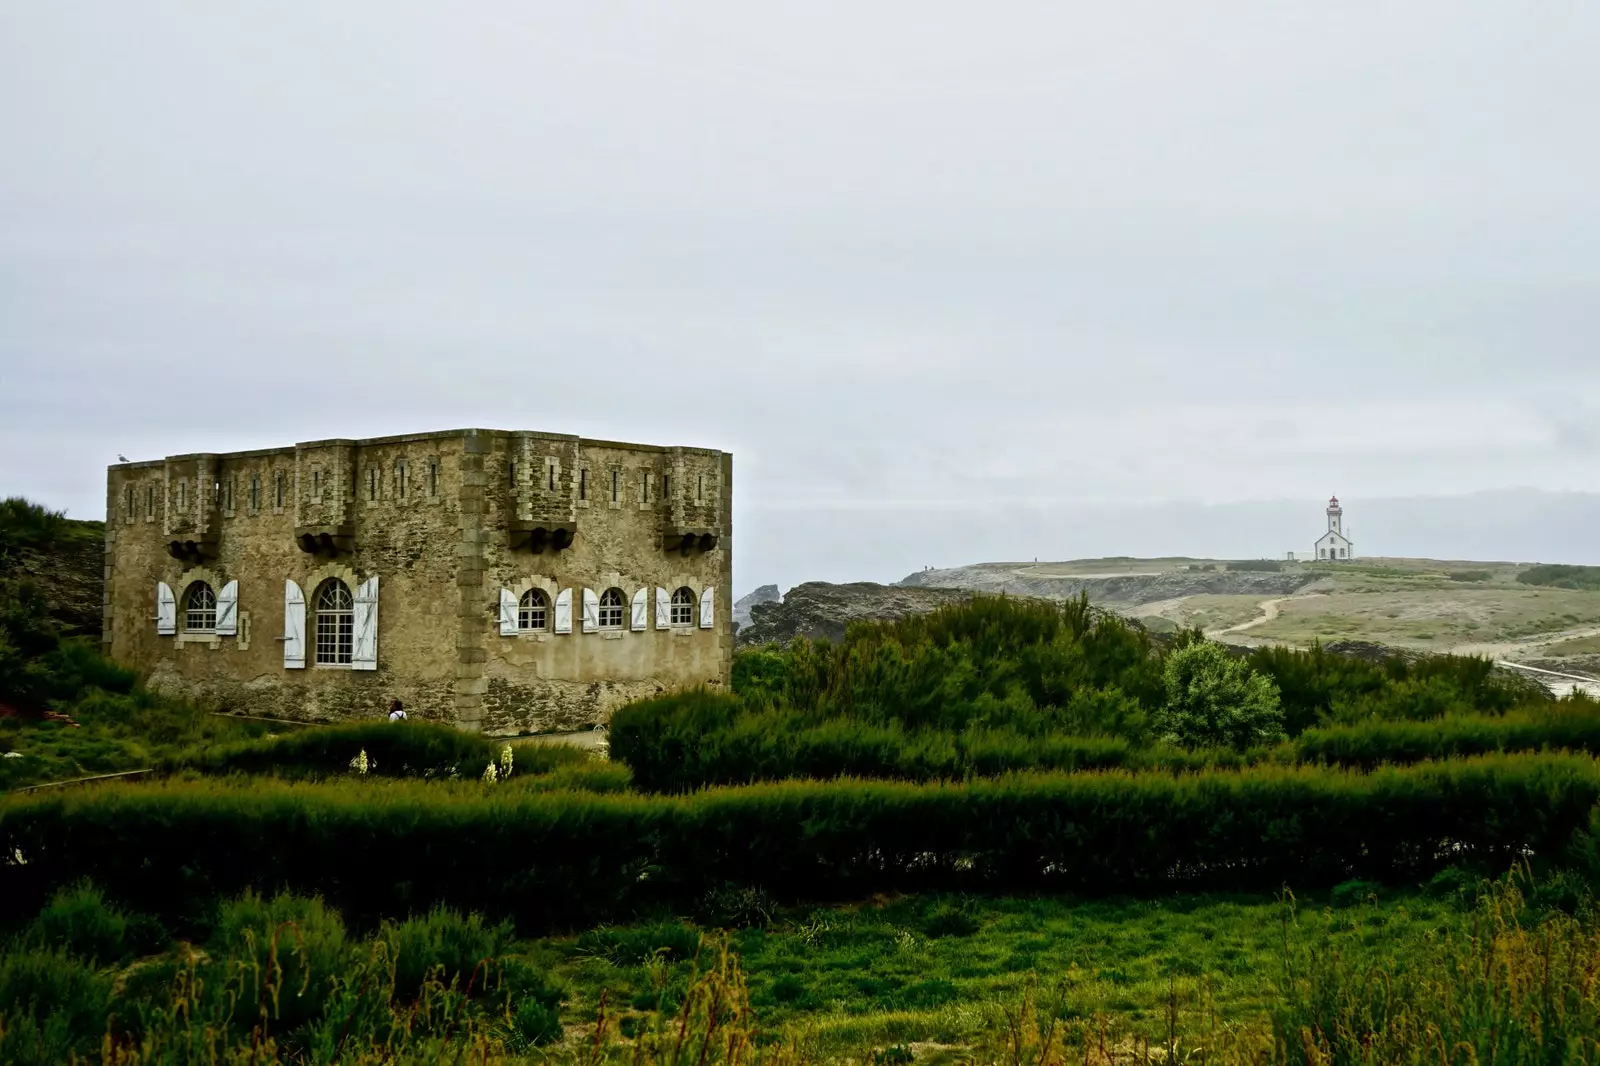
column 741, row 606
column 818, row 609
column 69, row 572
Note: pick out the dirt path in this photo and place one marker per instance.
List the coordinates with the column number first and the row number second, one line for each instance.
column 1558, row 683
column 1269, row 612
column 1509, row 648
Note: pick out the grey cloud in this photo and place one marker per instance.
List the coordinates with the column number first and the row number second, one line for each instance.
column 1021, row 261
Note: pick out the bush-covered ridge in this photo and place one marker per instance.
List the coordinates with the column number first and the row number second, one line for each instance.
column 998, row 685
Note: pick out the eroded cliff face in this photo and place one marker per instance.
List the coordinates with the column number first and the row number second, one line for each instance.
column 69, row 572
column 818, row 609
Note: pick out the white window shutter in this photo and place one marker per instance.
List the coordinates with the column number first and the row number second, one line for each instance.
column 564, row 611
column 591, row 611
column 708, row 600
column 508, row 613
column 294, row 627
column 364, row 650
column 663, row 609
column 641, row 610
column 228, row 610
column 166, row 610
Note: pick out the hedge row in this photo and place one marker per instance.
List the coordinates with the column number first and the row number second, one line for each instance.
column 573, row 859
column 394, row 749
column 684, row 741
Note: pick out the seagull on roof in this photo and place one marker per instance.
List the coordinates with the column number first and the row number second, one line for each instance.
column 122, row 458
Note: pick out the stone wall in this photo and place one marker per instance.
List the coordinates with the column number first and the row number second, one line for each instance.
column 445, row 521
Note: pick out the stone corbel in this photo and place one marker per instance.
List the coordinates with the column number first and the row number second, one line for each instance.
column 194, row 550
column 537, row 538
column 325, row 540
column 687, row 542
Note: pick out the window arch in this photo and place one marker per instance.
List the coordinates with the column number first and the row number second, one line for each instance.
column 200, row 608
column 683, row 607
column 533, row 610
column 611, row 609
column 336, row 623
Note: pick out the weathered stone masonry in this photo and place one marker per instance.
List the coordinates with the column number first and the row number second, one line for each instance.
column 503, row 581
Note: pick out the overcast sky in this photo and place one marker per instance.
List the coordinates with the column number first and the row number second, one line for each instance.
column 959, row 260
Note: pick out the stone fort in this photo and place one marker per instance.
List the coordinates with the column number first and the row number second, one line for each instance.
column 502, row 581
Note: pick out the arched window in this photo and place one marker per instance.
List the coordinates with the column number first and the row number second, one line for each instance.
column 611, row 609
column 533, row 612
column 683, row 607
column 336, row 623
column 200, row 609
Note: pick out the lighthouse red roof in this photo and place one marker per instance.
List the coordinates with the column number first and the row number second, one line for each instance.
column 1333, row 501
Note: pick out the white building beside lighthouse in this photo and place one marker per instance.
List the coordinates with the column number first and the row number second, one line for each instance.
column 1334, row 545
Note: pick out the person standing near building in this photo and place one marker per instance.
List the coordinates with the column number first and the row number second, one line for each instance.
column 397, row 713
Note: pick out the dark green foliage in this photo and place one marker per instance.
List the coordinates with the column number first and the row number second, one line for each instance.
column 632, row 945
column 567, row 858
column 394, row 749
column 28, row 525
column 278, row 980
column 1217, row 701
column 1561, row 576
column 1261, row 566
column 1470, row 575
column 79, row 920
column 445, row 944
column 999, row 685
column 53, row 1005
column 1571, row 724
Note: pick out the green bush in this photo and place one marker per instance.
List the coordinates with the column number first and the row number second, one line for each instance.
column 446, row 944
column 53, row 1007
column 1215, row 701
column 1260, row 566
column 633, row 945
column 1557, row 575
column 394, row 749
column 79, row 921
column 1470, row 575
column 547, row 859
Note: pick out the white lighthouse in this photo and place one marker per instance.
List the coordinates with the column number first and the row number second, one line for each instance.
column 1334, row 546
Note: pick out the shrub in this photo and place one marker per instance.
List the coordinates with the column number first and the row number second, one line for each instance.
column 53, row 1007
column 394, row 749
column 1470, row 575
column 1268, row 566
column 444, row 944
column 78, row 920
column 633, row 945
column 1556, row 575
column 292, row 949
column 1215, row 700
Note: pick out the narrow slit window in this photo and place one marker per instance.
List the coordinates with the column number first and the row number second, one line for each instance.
column 278, row 489
column 255, row 492
column 700, row 488
column 150, row 500
column 583, row 484
column 433, row 479
column 666, row 486
column 402, row 480
column 552, row 471
column 128, row 501
column 615, row 481
column 372, row 483
column 645, row 485
column 511, row 474
column 316, row 484
column 182, row 486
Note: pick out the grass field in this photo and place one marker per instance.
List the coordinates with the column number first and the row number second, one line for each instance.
column 935, row 971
